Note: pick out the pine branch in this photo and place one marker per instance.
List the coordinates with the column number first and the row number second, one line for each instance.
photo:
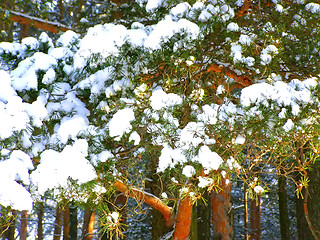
column 50, row 26
column 148, row 198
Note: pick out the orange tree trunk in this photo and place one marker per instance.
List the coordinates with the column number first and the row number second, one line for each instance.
column 183, row 219
column 255, row 218
column 221, row 203
column 88, row 224
column 148, row 198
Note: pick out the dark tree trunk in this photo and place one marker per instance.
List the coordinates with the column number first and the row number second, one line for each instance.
column 203, row 217
column 24, row 225
column 309, row 207
column 194, row 224
column 73, row 222
column 58, row 224
column 40, row 222
column 255, row 218
column 246, row 214
column 66, row 222
column 283, row 208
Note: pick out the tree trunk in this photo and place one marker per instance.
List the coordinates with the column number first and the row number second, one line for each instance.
column 194, row 224
column 58, row 224
column 40, row 222
column 183, row 219
column 283, row 208
column 24, row 225
column 203, row 217
column 246, row 214
column 24, row 31
column 88, row 224
column 66, row 222
column 73, row 222
column 255, row 218
column 308, row 209
column 221, row 204
column 5, row 24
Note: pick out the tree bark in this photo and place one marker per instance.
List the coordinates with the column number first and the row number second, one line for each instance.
column 58, row 224
column 183, row 219
column 308, row 209
column 255, row 218
column 24, row 225
column 221, row 204
column 54, row 27
column 203, row 217
column 88, row 224
column 147, row 198
column 73, row 222
column 66, row 222
column 283, row 208
column 246, row 215
column 24, row 31
column 40, row 222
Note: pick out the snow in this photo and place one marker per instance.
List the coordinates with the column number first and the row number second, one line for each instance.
column 208, row 159
column 245, row 39
column 30, row 43
column 37, row 112
column 135, row 137
column 204, row 182
column 11, row 170
column 169, row 158
column 313, row 7
column 160, row 99
column 288, row 125
column 166, row 28
column 233, row 27
column 153, row 4
column 120, row 123
column 6, row 90
column 25, row 75
column 56, row 167
column 188, row 171
column 70, row 128
column 13, row 117
column 240, row 140
column 180, row 10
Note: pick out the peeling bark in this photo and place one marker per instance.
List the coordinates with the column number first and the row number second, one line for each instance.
column 147, row 198
column 221, row 204
column 88, row 224
column 183, row 219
